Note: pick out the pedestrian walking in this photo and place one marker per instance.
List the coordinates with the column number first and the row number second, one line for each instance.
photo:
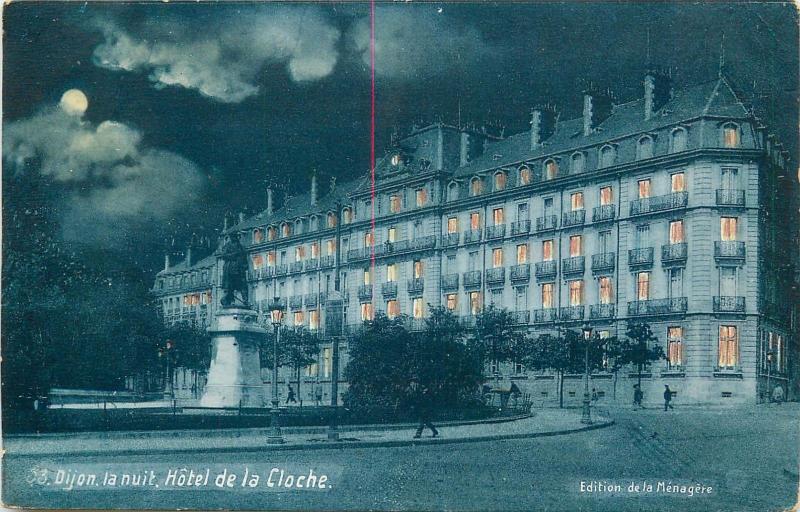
column 423, row 402
column 667, row 397
column 777, row 394
column 595, row 398
column 290, row 395
column 637, row 397
column 318, row 393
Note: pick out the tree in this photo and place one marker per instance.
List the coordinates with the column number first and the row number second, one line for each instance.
column 639, row 347
column 496, row 334
column 302, row 349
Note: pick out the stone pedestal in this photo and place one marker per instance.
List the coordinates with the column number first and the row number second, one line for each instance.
column 234, row 377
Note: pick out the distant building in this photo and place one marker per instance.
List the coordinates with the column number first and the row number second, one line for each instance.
column 676, row 209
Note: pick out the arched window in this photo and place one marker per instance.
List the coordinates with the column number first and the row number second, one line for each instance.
column 314, row 223
column 452, row 191
column 678, row 142
column 524, row 175
column 475, row 186
column 499, row 180
column 644, row 148
column 258, row 236
column 331, row 220
column 271, row 233
column 286, row 229
column 577, row 163
column 550, row 169
column 730, row 135
column 347, row 215
column 607, row 156
column 298, row 226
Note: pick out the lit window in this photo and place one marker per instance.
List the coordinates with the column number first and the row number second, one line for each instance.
column 606, row 196
column 644, row 189
column 676, row 232
column 391, row 272
column 258, row 261
column 331, row 220
column 500, row 181
column 674, row 347
column 645, row 148
column 576, row 201
column 475, row 221
column 575, row 245
column 367, row 277
column 547, row 250
column 606, row 290
column 271, row 258
column 498, row 216
column 347, row 216
column 497, row 257
column 299, row 253
column 678, row 140
column 299, row 318
column 313, row 319
column 547, row 295
column 607, row 156
column 391, row 235
column 286, row 230
column 452, row 301
column 418, row 269
column 366, row 312
column 578, row 162
column 314, row 250
column 727, row 228
column 643, row 286
column 368, row 239
column 330, row 247
column 271, row 233
column 678, row 182
column 394, row 203
column 728, row 347
column 522, row 254
column 524, row 176
column 550, row 169
column 258, row 236
column 422, row 197
column 392, row 309
column 474, row 303
column 730, row 136
column 452, row 225
column 395, row 160
column 475, row 187
column 418, row 307
column 576, row 293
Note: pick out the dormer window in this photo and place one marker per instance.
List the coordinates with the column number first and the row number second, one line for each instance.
column 258, row 236
column 524, row 176
column 607, row 156
column 475, row 186
column 678, row 142
column 577, row 162
column 730, row 135
column 286, row 229
column 331, row 220
column 499, row 181
column 550, row 169
column 347, row 215
column 272, row 233
column 396, row 160
column 644, row 148
column 314, row 223
column 452, row 191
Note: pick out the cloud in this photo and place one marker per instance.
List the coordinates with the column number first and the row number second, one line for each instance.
column 223, row 59
column 413, row 42
column 112, row 183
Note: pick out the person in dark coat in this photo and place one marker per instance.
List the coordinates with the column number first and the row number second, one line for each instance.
column 667, row 397
column 423, row 402
column 290, row 395
column 637, row 396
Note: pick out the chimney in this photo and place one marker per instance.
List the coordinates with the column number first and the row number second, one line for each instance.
column 543, row 124
column 596, row 109
column 269, row 201
column 657, row 92
column 166, row 262
column 189, row 256
column 314, row 189
column 241, row 217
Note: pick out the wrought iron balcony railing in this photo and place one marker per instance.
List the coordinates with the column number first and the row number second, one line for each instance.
column 520, row 227
column 655, row 204
column 729, row 250
column 657, row 306
column 571, row 313
column 450, row 239
column 640, row 257
column 311, row 299
column 365, row 292
column 422, row 243
column 603, row 261
column 521, row 272
column 389, row 289
column 496, row 231
column 601, row 311
column 521, row 317
column 281, row 270
column 296, row 301
column 729, row 304
column 312, row 264
column 730, row 197
column 296, row 266
column 546, row 269
column 495, row 276
column 545, row 315
column 674, row 253
column 450, row 282
column 472, row 279
column 327, row 261
column 416, row 285
column 472, row 236
column 603, row 213
column 573, row 265
column 574, row 218
column 546, row 223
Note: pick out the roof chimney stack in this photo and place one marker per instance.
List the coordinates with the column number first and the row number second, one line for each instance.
column 166, row 262
column 543, row 124
column 269, row 201
column 314, row 189
column 657, row 92
column 596, row 108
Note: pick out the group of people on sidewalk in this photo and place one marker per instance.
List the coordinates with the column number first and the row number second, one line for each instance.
column 638, row 396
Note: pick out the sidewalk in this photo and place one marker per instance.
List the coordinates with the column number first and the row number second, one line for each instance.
column 542, row 423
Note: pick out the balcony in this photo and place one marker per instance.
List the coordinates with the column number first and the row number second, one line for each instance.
column 311, row 300
column 496, row 231
column 365, row 292
column 281, row 270
column 450, row 282
column 546, row 269
column 574, row 218
column 521, row 227
column 672, row 254
column 327, row 261
column 603, row 213
column 545, row 315
column 521, row 317
column 472, row 279
column 521, row 273
column 423, row 243
column 729, row 304
column 730, row 197
column 656, row 204
column 571, row 313
column 729, row 250
column 603, row 262
column 472, row 236
column 296, row 301
column 546, row 223
column 640, row 257
column 495, row 276
column 359, row 254
column 601, row 311
column 415, row 324
column 389, row 290
column 573, row 265
column 312, row 264
column 657, row 306
column 468, row 321
column 296, row 266
column 416, row 285
column 450, row 239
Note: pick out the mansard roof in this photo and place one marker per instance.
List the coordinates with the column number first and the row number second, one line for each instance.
column 207, row 262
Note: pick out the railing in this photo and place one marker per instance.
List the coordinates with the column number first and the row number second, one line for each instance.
column 311, row 299
column 546, row 223
column 496, row 275
column 640, row 257
column 545, row 269
column 574, row 218
column 423, row 242
column 416, row 285
column 672, row 253
column 296, row 301
column 415, row 324
column 573, row 265
column 603, row 261
column 545, row 315
column 603, row 213
column 472, row 236
column 450, row 282
column 729, row 304
column 472, row 278
column 296, row 266
column 281, row 270
column 659, row 203
column 571, row 313
column 389, row 289
column 521, row 317
column 520, row 227
column 657, row 306
column 360, row 254
column 521, row 272
column 327, row 261
column 730, row 197
column 729, row 250
column 365, row 292
column 312, row 264
column 601, row 311
column 496, row 231
column 450, row 240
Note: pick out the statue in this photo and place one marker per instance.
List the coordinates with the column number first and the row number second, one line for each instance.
column 234, row 272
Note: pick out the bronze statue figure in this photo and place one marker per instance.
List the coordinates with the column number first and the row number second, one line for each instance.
column 234, row 272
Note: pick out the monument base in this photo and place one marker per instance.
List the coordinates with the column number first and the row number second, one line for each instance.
column 234, row 377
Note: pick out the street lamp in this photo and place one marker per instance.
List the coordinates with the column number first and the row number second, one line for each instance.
column 276, row 318
column 586, row 416
column 770, row 354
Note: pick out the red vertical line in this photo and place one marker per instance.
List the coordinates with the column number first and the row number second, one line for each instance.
column 372, row 133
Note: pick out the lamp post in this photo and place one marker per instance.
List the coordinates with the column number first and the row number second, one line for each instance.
column 586, row 416
column 276, row 317
column 770, row 354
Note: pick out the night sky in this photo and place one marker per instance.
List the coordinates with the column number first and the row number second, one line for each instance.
column 193, row 109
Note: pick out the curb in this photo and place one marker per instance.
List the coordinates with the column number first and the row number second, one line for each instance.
column 327, row 446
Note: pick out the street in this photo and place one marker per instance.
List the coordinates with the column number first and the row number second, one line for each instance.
column 741, row 454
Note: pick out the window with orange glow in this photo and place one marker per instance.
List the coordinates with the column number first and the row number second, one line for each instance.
column 394, row 203
column 727, row 228
column 474, row 303
column 644, row 189
column 674, row 347
column 576, row 201
column 606, row 196
column 258, row 236
column 367, row 277
column 258, row 261
column 576, row 293
column 299, row 318
column 452, row 225
column 330, row 247
column 550, row 169
column 475, row 221
column 347, row 216
column 299, row 253
column 391, row 235
column 368, row 239
column 366, row 312
column 576, row 245
column 606, row 290
column 418, row 308
column 500, row 181
column 271, row 258
column 452, row 301
column 475, row 187
column 728, row 347
column 271, row 233
column 331, row 220
column 522, row 254
column 392, row 309
column 678, row 182
column 314, row 250
column 547, row 250
column 497, row 257
column 313, row 319
column 286, row 230
column 524, row 176
column 498, row 216
column 422, row 197
column 643, row 286
column 676, row 232
column 391, row 272
column 418, row 269
column 547, row 295
column 730, row 134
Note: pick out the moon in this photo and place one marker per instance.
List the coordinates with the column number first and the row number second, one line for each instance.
column 74, row 102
